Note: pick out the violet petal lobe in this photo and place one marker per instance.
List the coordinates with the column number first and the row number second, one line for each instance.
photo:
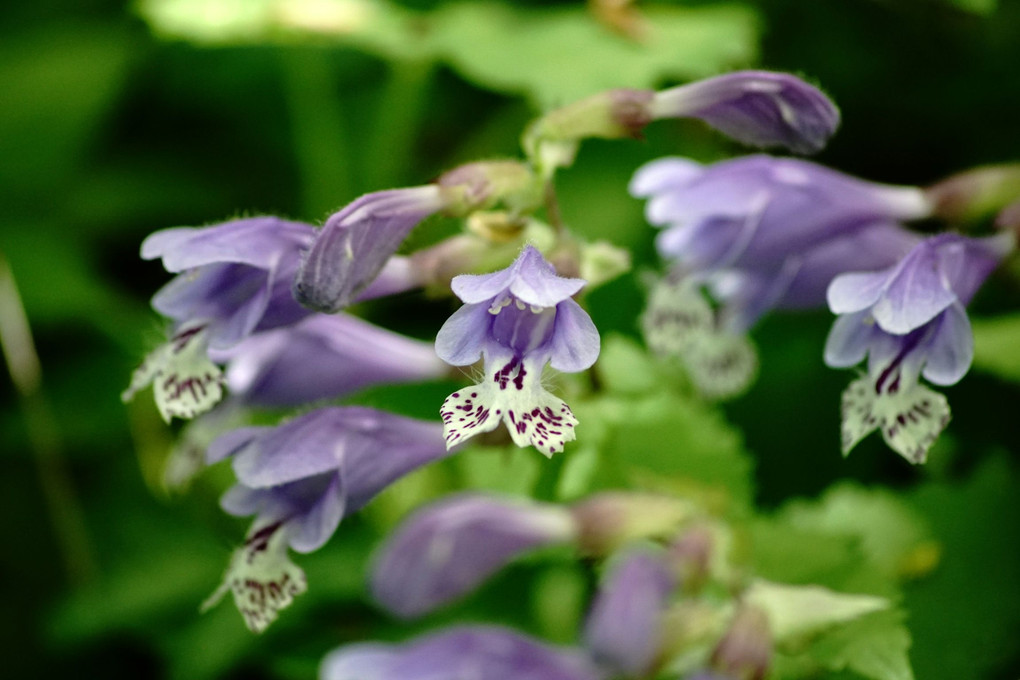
column 950, row 351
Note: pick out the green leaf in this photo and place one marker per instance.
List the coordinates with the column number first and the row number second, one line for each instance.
column 667, row 443
column 874, row 646
column 554, row 56
column 549, row 55
column 995, row 342
column 887, row 529
column 965, row 615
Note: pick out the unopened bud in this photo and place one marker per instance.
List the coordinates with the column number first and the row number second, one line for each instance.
column 609, row 520
column 977, row 193
column 486, row 184
column 745, row 651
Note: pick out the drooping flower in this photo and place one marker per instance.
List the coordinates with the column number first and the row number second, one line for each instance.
column 233, row 279
column 300, row 479
column 910, row 321
column 518, row 319
column 463, row 653
column 449, row 548
column 624, row 628
column 356, row 243
column 757, row 233
column 323, row 357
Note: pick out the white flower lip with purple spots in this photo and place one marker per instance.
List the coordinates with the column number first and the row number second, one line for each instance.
column 910, row 321
column 518, row 319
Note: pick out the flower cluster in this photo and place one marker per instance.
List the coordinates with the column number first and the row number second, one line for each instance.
column 257, row 322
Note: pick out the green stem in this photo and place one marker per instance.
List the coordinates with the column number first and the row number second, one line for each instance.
column 396, row 124
column 317, row 126
column 62, row 504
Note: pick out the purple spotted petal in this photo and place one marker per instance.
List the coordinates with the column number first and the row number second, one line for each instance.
column 464, row 653
column 449, row 548
column 758, row 108
column 624, row 627
column 355, row 244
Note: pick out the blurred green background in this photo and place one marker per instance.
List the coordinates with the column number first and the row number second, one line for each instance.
column 119, row 119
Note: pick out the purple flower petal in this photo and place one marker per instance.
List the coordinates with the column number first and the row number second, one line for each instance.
column 462, row 338
column 324, row 357
column 624, row 628
column 662, row 175
column 464, row 653
column 530, row 279
column 758, row 108
column 256, row 242
column 575, row 341
column 355, row 243
column 951, row 348
column 449, row 548
column 849, row 340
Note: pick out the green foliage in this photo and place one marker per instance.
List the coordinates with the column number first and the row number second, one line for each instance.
column 995, row 346
column 551, row 56
column 875, row 646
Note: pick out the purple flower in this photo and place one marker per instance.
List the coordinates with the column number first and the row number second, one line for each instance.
column 518, row 319
column 234, row 279
column 236, row 276
column 758, row 108
column 355, row 244
column 910, row 321
column 464, row 653
column 448, row 548
column 323, row 357
column 301, row 478
column 763, row 232
column 624, row 628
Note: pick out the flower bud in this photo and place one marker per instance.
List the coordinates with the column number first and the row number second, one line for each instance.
column 611, row 519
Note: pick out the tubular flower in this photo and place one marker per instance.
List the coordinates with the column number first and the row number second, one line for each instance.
column 300, row 479
column 757, row 108
column 233, row 279
column 624, row 627
column 356, row 243
column 909, row 320
column 323, row 357
column 518, row 319
column 463, row 653
column 758, row 233
column 447, row 549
